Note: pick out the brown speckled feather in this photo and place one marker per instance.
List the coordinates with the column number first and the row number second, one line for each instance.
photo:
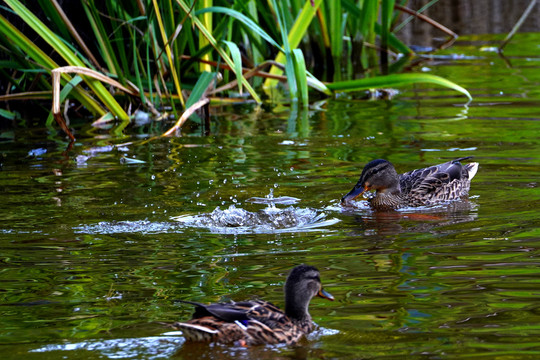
column 448, row 181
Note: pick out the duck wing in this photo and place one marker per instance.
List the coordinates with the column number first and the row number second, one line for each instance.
column 436, row 183
column 262, row 311
column 228, row 312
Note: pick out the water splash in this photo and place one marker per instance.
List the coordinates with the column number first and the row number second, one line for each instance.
column 235, row 220
column 270, row 199
column 119, row 227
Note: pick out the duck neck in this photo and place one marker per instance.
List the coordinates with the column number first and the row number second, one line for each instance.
column 388, row 198
column 296, row 309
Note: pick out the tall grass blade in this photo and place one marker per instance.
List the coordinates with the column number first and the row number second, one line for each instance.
column 206, row 21
column 74, row 33
column 237, row 60
column 168, row 51
column 395, row 80
column 336, row 36
column 205, row 32
column 201, row 87
column 250, row 24
column 518, row 24
column 296, row 34
column 101, row 37
column 10, row 115
column 289, row 65
column 301, row 77
column 387, row 7
column 189, row 111
column 199, row 90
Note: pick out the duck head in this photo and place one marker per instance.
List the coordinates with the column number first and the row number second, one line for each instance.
column 303, row 283
column 379, row 175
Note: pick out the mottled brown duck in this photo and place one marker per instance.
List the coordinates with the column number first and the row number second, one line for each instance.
column 255, row 322
column 428, row 186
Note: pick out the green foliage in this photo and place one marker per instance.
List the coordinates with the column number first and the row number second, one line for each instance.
column 162, row 49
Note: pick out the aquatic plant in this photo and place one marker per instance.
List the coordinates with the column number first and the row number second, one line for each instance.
column 172, row 57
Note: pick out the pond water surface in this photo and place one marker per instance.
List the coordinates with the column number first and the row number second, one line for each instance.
column 98, row 243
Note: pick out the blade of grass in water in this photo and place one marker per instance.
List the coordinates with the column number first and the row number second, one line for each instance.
column 387, row 7
column 395, row 80
column 301, row 79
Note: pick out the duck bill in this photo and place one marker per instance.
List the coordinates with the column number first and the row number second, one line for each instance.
column 353, row 194
column 325, row 294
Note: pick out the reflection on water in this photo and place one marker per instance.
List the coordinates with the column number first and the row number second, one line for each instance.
column 157, row 347
column 407, row 219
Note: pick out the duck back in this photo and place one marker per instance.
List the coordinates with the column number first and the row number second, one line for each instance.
column 443, row 182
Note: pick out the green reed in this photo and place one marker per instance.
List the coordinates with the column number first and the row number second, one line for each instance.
column 173, row 53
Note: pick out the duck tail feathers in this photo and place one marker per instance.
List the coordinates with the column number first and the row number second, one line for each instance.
column 472, row 168
column 194, row 332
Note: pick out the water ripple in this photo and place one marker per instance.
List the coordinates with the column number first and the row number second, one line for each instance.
column 155, row 347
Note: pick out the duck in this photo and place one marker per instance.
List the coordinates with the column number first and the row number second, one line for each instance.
column 428, row 186
column 257, row 322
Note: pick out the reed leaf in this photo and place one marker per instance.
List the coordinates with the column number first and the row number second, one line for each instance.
column 395, row 80
column 387, row 7
column 72, row 84
column 205, row 32
column 301, row 77
column 317, row 84
column 237, row 60
column 10, row 115
column 56, row 43
column 289, row 65
column 295, row 35
column 198, row 93
column 164, row 38
column 250, row 24
column 336, row 34
column 206, row 21
column 102, row 39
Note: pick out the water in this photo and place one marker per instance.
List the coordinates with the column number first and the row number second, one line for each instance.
column 98, row 242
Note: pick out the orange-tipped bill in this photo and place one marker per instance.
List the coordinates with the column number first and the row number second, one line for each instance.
column 325, row 294
column 353, row 194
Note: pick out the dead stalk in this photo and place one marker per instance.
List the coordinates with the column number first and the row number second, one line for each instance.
column 189, row 111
